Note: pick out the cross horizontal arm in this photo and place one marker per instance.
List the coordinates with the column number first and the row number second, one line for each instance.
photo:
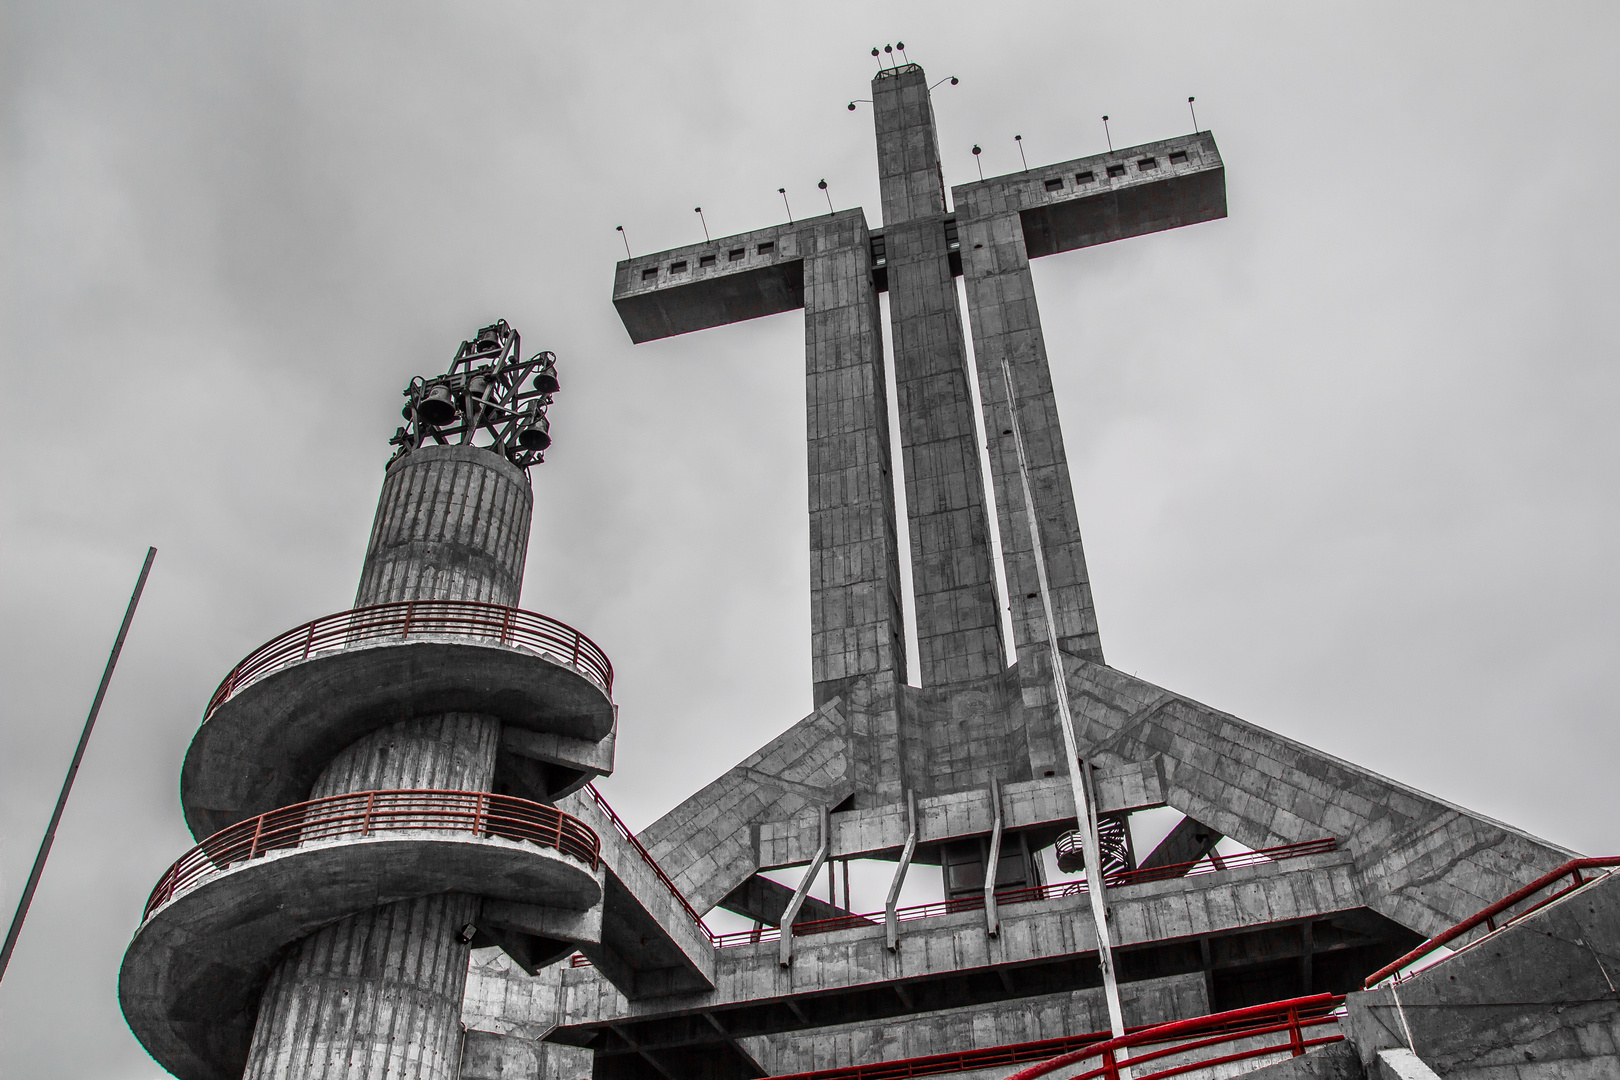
column 722, row 281
column 1094, row 200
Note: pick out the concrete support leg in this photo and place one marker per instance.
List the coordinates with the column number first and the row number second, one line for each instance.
column 379, row 993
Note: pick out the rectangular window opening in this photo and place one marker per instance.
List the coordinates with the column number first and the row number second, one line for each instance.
column 1178, row 157
column 706, row 260
column 736, row 253
column 678, row 267
column 1084, row 177
column 1147, row 163
column 767, row 247
column 649, row 273
column 1116, row 170
column 1055, row 184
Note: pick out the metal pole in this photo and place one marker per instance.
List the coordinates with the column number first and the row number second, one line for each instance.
column 1085, row 808
column 73, row 770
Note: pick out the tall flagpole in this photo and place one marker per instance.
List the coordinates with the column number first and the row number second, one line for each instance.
column 1085, row 803
column 73, row 770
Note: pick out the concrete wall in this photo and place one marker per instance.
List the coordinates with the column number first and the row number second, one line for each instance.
column 1537, row 1000
column 1049, row 1016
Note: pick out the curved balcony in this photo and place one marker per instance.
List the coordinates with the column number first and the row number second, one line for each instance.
column 297, row 701
column 226, row 911
column 373, row 813
column 384, row 624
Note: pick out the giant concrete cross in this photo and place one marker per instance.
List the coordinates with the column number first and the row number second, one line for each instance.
column 966, row 729
column 966, row 768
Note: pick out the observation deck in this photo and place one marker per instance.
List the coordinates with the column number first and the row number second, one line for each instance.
column 295, row 702
column 223, row 914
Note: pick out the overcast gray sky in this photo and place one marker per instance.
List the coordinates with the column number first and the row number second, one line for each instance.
column 1346, row 462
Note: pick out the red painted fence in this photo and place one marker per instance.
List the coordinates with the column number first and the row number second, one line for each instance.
column 419, row 619
column 366, row 813
column 1488, row 917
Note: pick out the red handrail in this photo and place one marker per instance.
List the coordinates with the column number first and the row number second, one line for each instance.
column 364, row 813
column 646, row 857
column 1200, row 1033
column 1487, row 916
column 1021, row 896
column 465, row 619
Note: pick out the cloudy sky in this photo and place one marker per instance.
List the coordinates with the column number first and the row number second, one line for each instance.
column 1346, row 462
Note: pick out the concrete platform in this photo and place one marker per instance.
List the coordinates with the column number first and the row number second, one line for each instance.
column 264, row 747
column 193, row 974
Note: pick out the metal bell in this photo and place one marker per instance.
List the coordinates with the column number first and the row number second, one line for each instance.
column 438, row 407
column 488, row 339
column 545, row 380
column 477, row 388
column 536, row 435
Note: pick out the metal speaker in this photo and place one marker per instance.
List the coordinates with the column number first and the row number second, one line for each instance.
column 536, row 435
column 438, row 407
column 545, row 380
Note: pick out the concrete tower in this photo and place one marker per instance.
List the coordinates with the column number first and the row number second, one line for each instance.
column 371, row 792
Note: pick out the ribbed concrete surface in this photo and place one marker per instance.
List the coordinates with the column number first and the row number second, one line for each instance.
column 377, row 995
column 453, row 752
column 452, row 524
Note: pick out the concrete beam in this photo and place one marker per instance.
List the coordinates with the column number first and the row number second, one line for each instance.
column 880, row 832
column 765, row 901
column 1188, row 842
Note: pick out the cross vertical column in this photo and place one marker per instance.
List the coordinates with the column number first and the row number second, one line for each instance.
column 958, row 614
column 858, row 648
column 1007, row 325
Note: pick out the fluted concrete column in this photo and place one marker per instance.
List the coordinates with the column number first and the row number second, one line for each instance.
column 452, row 524
column 378, row 995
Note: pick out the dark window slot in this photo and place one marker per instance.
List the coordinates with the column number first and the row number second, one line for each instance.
column 1178, row 157
column 1055, row 184
column 767, row 247
column 649, row 273
column 1147, row 163
column 1085, row 177
column 736, row 253
column 706, row 260
column 678, row 267
column 1116, row 170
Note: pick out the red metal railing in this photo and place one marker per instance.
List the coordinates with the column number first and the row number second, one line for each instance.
column 459, row 619
column 1021, row 896
column 1290, row 1019
column 1488, row 917
column 646, row 857
column 367, row 812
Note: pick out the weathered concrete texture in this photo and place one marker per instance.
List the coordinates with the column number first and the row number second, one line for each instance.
column 1336, row 1061
column 1403, row 1065
column 706, row 844
column 1535, row 1000
column 1033, row 1019
column 380, row 992
column 857, row 630
column 907, row 149
column 958, row 611
column 725, row 280
column 1425, row 863
column 452, row 524
column 1007, row 327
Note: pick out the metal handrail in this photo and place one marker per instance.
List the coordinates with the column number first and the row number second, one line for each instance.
column 379, row 623
column 1487, row 917
column 361, row 814
column 1292, row 1017
column 646, row 857
column 1042, row 892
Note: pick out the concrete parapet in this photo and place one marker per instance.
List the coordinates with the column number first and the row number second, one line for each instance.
column 1536, row 1000
column 264, row 747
